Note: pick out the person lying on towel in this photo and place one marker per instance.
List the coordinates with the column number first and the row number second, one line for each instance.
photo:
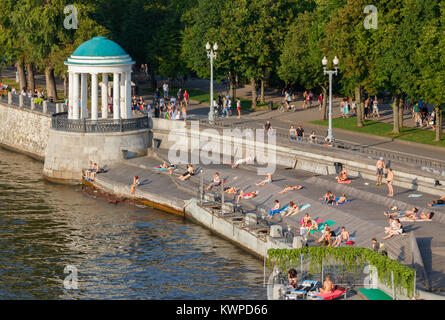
column 246, row 196
column 440, row 201
column 407, row 213
column 341, row 200
column 231, row 190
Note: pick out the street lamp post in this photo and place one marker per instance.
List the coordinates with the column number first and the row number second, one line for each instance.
column 330, row 136
column 211, row 54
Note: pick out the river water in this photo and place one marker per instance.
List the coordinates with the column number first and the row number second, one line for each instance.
column 119, row 252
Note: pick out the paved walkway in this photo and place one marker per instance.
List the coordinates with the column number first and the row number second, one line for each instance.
column 364, row 218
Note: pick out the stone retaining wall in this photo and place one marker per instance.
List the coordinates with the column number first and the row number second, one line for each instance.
column 24, row 130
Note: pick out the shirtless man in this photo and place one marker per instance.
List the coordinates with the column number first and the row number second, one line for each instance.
column 389, row 181
column 343, row 237
column 328, row 286
column 440, row 201
column 268, row 179
column 380, row 166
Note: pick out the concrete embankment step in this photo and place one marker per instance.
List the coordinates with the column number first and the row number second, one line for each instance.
column 351, row 190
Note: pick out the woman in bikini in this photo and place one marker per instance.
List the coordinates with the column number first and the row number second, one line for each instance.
column 231, row 190
column 341, row 200
column 343, row 176
column 290, row 188
column 186, row 175
column 246, row 196
column 268, row 179
column 389, row 181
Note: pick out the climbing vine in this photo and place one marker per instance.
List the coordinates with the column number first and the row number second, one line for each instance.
column 353, row 259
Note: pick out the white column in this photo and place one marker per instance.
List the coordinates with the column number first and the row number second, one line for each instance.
column 104, row 92
column 128, row 95
column 94, row 96
column 116, row 101
column 75, row 96
column 84, row 96
column 122, row 96
column 70, row 95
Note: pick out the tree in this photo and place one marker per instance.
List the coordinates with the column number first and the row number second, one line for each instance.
column 352, row 43
column 429, row 58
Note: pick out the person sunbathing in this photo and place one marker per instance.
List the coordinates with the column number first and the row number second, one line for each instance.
column 290, row 188
column 136, row 182
column 341, row 200
column 291, row 209
column 268, row 179
column 242, row 161
column 246, row 196
column 216, row 182
column 189, row 173
column 165, row 166
column 325, row 234
column 343, row 176
column 405, row 214
column 274, row 209
column 231, row 190
column 440, row 201
column 309, row 224
column 328, row 197
column 395, row 231
column 328, row 286
column 419, row 216
column 343, row 237
column 392, row 225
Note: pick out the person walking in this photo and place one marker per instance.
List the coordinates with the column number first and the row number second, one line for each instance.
column 238, row 107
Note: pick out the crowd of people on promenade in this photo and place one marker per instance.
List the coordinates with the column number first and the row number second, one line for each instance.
column 26, row 92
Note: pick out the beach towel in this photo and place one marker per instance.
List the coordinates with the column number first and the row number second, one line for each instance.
column 414, row 195
column 160, row 168
column 346, row 181
column 333, row 295
column 439, row 205
column 351, row 242
column 321, row 227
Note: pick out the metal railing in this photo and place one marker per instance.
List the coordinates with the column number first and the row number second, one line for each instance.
column 415, row 161
column 60, row 122
column 51, row 107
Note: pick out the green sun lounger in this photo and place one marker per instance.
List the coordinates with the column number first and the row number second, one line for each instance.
column 321, row 226
column 375, row 294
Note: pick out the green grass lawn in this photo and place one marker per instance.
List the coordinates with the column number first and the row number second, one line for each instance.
column 204, row 97
column 385, row 130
